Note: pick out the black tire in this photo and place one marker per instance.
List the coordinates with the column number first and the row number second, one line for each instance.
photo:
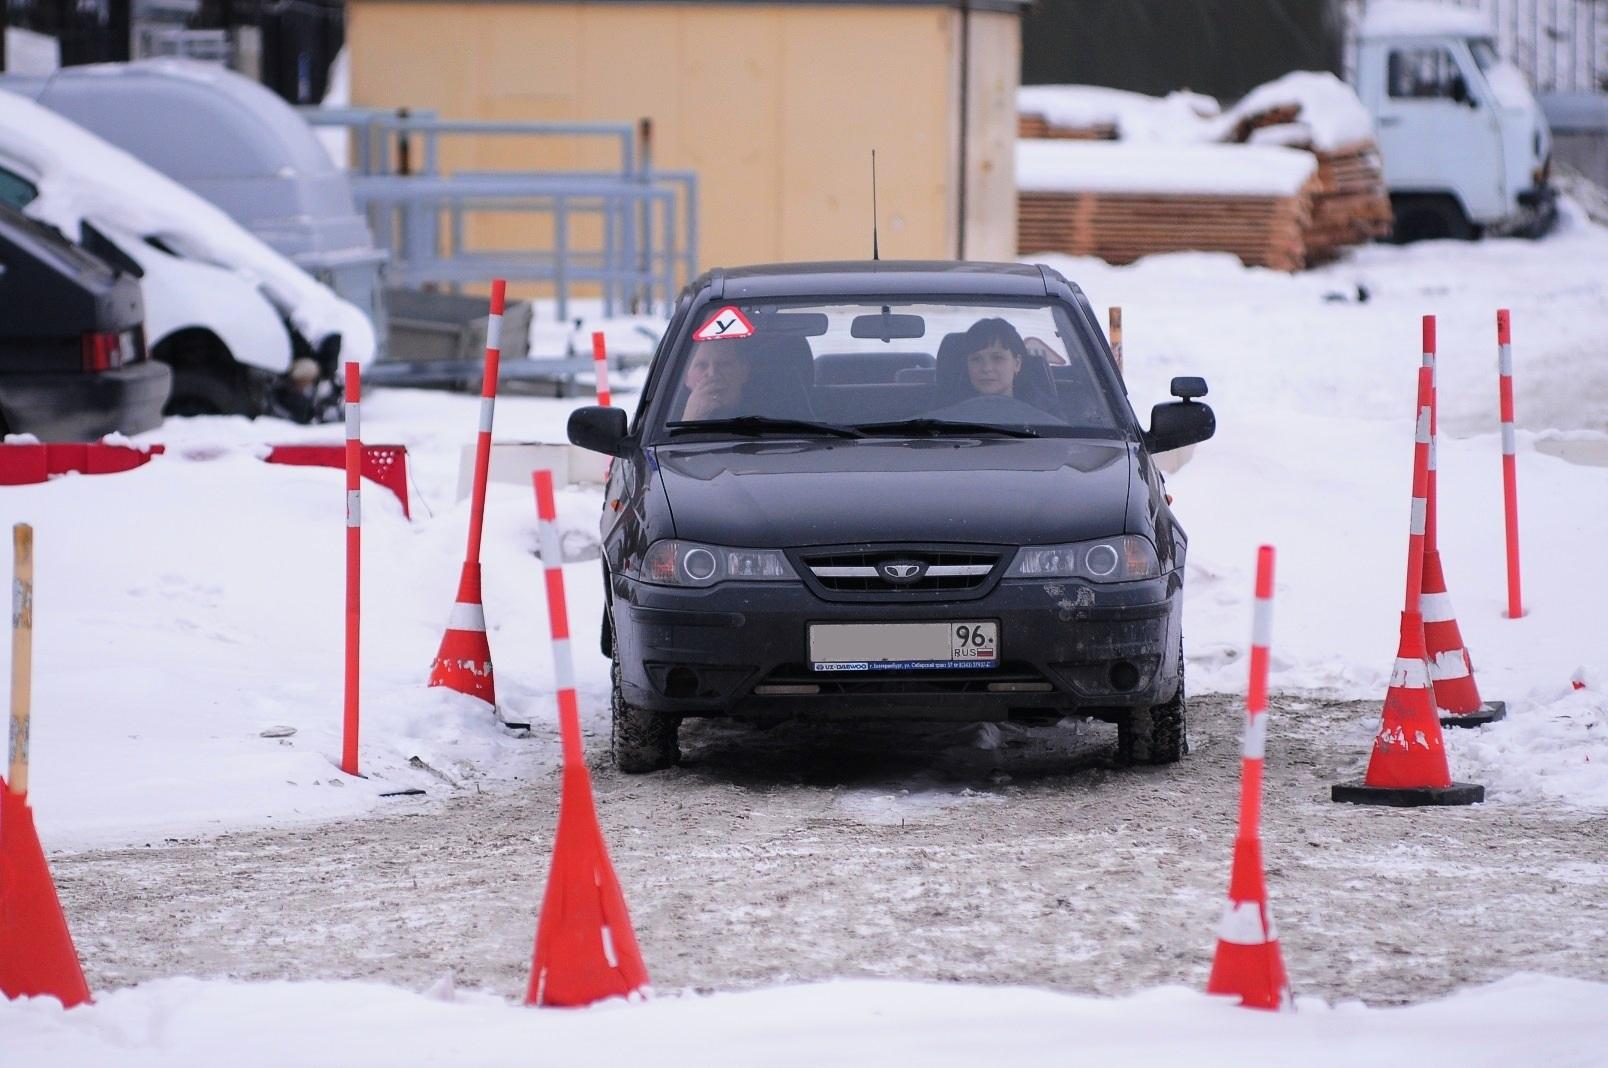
column 1430, row 218
column 641, row 740
column 1158, row 734
column 206, row 378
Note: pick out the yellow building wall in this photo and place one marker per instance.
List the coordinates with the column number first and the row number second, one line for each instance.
column 776, row 107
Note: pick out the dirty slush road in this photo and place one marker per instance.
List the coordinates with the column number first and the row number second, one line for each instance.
column 979, row 854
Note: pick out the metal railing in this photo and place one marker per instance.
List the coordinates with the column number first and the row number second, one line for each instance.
column 630, row 234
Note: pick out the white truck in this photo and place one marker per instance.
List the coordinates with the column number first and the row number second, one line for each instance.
column 1465, row 146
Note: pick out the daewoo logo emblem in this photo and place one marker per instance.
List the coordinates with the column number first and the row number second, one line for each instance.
column 903, row 572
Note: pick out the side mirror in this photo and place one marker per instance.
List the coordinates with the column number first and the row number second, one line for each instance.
column 598, row 429
column 1459, row 89
column 1182, row 422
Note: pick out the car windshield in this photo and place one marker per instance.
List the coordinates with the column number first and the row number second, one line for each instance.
column 885, row 368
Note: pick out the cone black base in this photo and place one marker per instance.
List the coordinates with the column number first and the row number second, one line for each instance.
column 1459, row 793
column 1490, row 712
column 512, row 721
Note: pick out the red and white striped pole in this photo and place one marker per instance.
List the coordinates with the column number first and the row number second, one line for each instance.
column 569, row 716
column 1254, row 747
column 488, row 405
column 354, row 560
column 1510, row 461
column 463, row 662
column 600, row 362
column 1248, row 962
column 1431, row 540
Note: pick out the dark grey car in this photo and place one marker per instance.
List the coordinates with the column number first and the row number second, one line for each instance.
column 890, row 489
column 73, row 365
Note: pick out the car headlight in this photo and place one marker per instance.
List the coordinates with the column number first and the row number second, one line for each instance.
column 1118, row 559
column 689, row 563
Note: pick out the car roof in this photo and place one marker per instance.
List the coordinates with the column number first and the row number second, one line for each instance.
column 878, row 278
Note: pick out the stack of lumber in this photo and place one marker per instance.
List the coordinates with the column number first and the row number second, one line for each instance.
column 1352, row 206
column 1121, row 228
column 1037, row 127
column 1121, row 202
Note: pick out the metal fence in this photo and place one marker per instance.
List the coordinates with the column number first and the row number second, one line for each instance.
column 1561, row 44
column 628, row 234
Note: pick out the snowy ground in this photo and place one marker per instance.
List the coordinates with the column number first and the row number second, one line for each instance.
column 187, row 607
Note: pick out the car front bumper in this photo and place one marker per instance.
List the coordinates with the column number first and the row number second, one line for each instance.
column 84, row 406
column 742, row 649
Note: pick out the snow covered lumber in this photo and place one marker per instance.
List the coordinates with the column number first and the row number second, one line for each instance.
column 1301, row 145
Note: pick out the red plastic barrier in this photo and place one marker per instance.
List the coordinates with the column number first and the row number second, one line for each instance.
column 22, row 465
column 385, row 464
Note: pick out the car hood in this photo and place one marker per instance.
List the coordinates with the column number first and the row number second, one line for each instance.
column 1009, row 491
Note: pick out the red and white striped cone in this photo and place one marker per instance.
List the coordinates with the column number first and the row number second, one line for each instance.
column 1248, row 962
column 1408, row 766
column 1577, row 681
column 586, row 949
column 463, row 662
column 1451, row 671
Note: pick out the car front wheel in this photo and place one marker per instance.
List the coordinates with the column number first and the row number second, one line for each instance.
column 1155, row 735
column 641, row 740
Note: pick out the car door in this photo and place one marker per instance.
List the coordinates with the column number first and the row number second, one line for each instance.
column 1435, row 132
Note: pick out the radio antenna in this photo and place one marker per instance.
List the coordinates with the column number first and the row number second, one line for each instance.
column 875, row 252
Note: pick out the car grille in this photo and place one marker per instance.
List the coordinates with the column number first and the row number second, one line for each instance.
column 935, row 571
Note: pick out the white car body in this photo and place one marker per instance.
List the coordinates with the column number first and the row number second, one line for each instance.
column 185, row 294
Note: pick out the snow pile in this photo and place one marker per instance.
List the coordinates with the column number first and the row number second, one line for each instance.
column 1173, row 145
column 1177, row 117
column 1525, row 1019
column 82, row 178
column 1139, row 169
column 205, row 606
column 1313, row 392
column 1331, row 115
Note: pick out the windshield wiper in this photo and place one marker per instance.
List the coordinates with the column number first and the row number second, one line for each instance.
column 937, row 427
column 759, row 424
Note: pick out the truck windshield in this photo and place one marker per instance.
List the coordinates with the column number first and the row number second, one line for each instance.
column 879, row 366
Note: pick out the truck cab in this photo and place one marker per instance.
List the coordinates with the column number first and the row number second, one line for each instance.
column 1465, row 146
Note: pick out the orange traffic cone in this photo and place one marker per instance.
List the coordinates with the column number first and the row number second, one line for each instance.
column 585, row 948
column 37, row 958
column 464, row 660
column 1248, row 961
column 1451, row 672
column 1408, row 766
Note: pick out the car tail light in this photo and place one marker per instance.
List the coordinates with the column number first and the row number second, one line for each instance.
column 103, row 351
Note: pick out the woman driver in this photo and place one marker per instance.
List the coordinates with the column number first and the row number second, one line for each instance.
column 994, row 354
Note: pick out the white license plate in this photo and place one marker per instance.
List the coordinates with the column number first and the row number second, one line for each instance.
column 903, row 646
